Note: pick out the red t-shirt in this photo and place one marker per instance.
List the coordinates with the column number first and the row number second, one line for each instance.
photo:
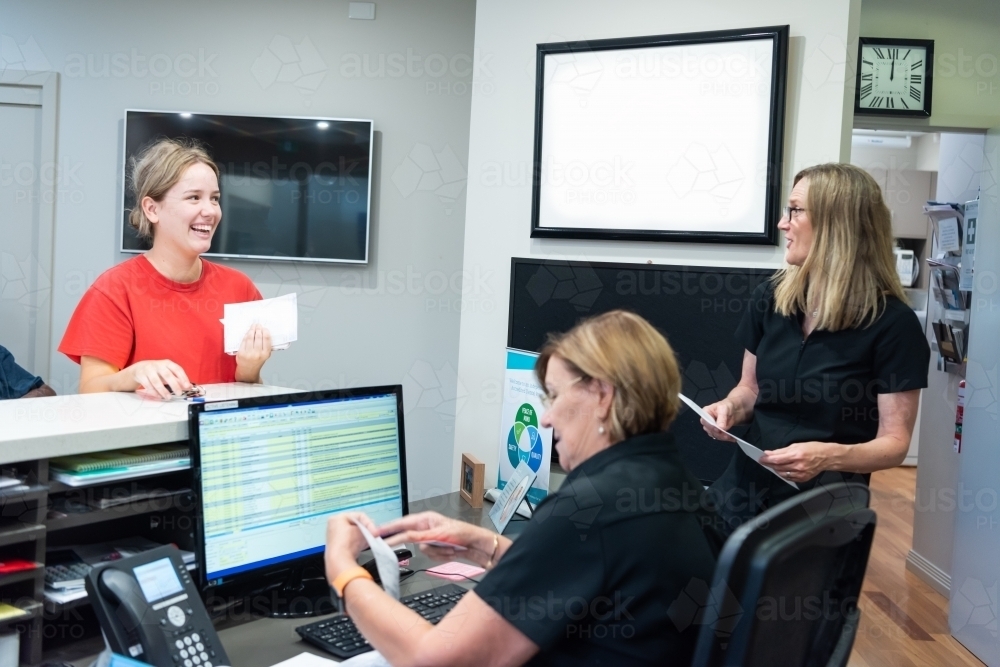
column 133, row 313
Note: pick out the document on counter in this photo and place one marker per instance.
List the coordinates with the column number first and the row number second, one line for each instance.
column 280, row 316
column 307, row 660
column 753, row 452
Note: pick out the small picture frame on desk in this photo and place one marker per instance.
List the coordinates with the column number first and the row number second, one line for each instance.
column 472, row 476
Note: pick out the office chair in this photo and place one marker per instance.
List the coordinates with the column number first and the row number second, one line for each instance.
column 786, row 586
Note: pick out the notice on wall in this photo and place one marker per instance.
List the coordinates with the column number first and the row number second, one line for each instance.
column 521, row 436
column 948, row 235
column 965, row 277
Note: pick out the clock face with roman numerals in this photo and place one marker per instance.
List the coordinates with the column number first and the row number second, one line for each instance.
column 894, row 77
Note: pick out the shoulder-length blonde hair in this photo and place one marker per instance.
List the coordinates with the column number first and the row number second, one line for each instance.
column 157, row 168
column 629, row 354
column 850, row 268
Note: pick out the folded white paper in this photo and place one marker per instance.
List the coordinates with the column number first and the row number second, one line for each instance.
column 753, row 452
column 385, row 560
column 280, row 316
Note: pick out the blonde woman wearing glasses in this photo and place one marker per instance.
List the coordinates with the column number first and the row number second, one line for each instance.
column 834, row 357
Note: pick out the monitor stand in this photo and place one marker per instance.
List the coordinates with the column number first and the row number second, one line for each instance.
column 296, row 597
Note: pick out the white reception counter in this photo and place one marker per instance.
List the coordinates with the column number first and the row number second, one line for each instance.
column 42, row 428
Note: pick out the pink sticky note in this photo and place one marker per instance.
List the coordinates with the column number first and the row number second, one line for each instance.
column 455, row 571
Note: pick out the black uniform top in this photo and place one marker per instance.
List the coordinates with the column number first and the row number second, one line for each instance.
column 824, row 387
column 614, row 566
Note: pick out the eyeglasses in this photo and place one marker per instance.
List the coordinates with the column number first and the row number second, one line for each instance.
column 793, row 212
column 548, row 399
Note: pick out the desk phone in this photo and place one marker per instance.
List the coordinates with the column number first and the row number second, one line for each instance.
column 149, row 609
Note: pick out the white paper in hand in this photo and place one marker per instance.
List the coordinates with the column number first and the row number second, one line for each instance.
column 753, row 452
column 280, row 316
column 385, row 560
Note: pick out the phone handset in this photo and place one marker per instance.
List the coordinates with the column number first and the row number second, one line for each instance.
column 131, row 611
column 150, row 609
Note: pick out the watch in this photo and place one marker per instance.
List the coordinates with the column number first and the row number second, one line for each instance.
column 894, row 77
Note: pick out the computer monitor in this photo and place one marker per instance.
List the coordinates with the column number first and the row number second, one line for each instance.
column 270, row 471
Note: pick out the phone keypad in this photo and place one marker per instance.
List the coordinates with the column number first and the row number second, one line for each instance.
column 191, row 649
column 191, row 652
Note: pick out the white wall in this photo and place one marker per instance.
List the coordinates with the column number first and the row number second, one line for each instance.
column 215, row 57
column 817, row 129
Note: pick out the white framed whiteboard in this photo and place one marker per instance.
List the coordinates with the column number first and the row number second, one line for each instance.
column 665, row 138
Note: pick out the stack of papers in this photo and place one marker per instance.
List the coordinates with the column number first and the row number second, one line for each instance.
column 110, row 466
column 280, row 316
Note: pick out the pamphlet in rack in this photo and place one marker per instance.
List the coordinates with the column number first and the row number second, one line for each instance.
column 951, row 279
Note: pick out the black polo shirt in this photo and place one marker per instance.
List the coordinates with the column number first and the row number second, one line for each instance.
column 614, row 566
column 824, row 387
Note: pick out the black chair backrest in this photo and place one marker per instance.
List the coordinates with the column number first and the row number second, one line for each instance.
column 787, row 583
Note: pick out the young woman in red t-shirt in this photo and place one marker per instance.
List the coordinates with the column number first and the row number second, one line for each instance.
column 154, row 320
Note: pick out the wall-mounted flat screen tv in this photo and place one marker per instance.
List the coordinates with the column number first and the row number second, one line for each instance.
column 291, row 188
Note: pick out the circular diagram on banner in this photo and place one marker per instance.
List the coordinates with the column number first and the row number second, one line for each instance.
column 524, row 442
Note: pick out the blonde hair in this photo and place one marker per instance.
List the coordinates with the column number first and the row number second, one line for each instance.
column 850, row 268
column 157, row 168
column 625, row 351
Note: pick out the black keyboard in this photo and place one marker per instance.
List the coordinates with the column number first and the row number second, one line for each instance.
column 337, row 635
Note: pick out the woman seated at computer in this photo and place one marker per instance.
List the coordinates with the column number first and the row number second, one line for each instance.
column 153, row 321
column 591, row 578
column 834, row 359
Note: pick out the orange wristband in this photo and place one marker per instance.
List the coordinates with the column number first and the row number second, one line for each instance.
column 347, row 576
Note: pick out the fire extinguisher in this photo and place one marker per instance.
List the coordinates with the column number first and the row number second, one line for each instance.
column 959, row 417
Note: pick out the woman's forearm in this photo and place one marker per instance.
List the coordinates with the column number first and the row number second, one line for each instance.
column 743, row 399
column 394, row 630
column 885, row 451
column 95, row 384
column 482, row 552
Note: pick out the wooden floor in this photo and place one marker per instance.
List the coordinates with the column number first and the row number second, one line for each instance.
column 904, row 622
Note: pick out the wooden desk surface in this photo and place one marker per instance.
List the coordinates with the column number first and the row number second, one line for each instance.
column 42, row 428
column 266, row 641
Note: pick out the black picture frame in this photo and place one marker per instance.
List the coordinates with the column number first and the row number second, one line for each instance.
column 775, row 137
column 925, row 112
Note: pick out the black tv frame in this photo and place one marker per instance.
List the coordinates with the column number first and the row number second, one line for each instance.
column 237, row 256
column 776, row 129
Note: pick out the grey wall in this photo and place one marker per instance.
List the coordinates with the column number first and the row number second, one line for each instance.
column 394, row 321
column 938, row 486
